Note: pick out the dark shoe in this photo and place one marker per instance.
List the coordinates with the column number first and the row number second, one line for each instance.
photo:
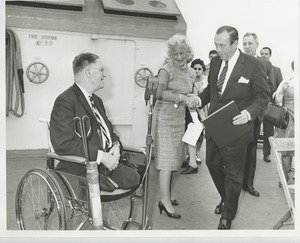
column 174, row 202
column 267, row 159
column 219, row 208
column 251, row 190
column 224, row 224
column 185, row 164
column 161, row 208
column 190, row 170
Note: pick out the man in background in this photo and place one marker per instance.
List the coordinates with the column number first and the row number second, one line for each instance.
column 268, row 129
column 250, row 45
column 211, row 55
column 266, row 53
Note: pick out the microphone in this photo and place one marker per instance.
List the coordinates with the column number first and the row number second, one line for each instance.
column 151, row 88
column 147, row 93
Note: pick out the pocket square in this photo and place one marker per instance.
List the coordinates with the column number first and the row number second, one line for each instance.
column 242, row 80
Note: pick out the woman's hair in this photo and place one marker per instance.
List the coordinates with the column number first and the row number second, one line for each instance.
column 180, row 39
column 198, row 61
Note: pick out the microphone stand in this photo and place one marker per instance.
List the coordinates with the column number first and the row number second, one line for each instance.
column 149, row 96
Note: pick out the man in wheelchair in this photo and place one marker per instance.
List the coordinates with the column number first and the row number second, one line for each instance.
column 103, row 144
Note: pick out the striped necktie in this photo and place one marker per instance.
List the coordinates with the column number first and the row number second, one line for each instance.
column 105, row 134
column 222, row 77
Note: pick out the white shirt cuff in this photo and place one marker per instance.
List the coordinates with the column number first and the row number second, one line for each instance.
column 99, row 157
column 199, row 101
column 248, row 114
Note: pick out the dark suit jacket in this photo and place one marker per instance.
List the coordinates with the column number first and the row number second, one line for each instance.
column 270, row 74
column 277, row 76
column 252, row 96
column 69, row 104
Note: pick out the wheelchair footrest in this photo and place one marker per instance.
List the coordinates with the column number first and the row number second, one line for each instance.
column 116, row 194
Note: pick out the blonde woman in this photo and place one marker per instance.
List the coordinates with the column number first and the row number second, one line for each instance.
column 176, row 80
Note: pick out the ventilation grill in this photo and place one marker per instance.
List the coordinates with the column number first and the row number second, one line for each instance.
column 163, row 9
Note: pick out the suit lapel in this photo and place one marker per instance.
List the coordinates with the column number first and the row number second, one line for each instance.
column 235, row 74
column 89, row 110
column 84, row 102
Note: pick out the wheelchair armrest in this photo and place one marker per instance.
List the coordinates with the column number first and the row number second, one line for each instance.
column 81, row 160
column 134, row 149
column 68, row 158
column 135, row 155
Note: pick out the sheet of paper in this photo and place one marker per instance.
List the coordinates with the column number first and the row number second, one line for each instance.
column 192, row 133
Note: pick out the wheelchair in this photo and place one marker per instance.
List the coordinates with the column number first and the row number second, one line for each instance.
column 49, row 199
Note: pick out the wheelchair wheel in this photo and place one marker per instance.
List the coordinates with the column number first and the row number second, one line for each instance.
column 121, row 214
column 39, row 202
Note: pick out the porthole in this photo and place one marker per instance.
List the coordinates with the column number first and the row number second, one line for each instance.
column 157, row 4
column 125, row 2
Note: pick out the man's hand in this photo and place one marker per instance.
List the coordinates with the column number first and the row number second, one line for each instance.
column 191, row 101
column 241, row 118
column 109, row 160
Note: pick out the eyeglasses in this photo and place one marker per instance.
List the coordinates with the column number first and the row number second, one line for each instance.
column 98, row 69
column 198, row 69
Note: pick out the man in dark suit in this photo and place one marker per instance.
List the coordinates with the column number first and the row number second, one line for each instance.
column 103, row 145
column 245, row 83
column 250, row 45
column 266, row 53
column 268, row 129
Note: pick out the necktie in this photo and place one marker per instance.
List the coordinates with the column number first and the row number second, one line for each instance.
column 105, row 134
column 222, row 77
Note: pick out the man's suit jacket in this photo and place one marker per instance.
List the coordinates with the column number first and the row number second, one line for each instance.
column 68, row 105
column 247, row 86
column 270, row 74
column 277, row 76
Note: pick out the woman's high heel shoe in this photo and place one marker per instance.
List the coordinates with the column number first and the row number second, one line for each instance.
column 161, row 208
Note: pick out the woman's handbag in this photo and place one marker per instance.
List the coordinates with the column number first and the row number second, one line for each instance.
column 276, row 115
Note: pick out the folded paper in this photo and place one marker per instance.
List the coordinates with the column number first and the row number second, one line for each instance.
column 193, row 130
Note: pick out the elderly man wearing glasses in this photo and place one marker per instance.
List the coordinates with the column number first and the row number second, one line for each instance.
column 104, row 145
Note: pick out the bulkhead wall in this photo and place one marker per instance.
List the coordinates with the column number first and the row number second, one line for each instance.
column 54, row 44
